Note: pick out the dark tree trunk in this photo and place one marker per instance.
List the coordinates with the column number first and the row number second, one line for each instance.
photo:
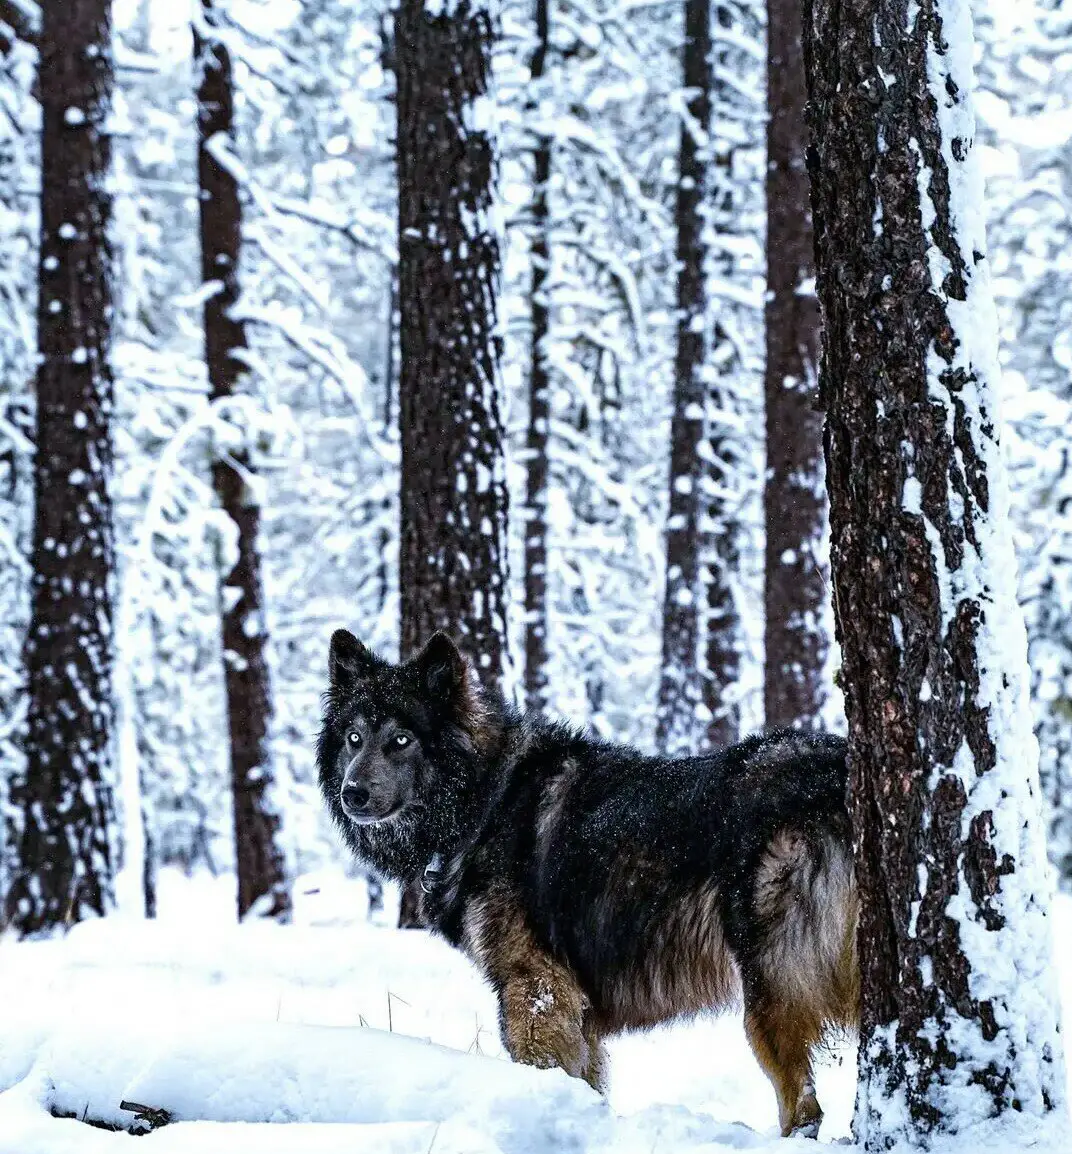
column 794, row 498
column 958, row 1007
column 535, row 515
column 679, row 712
column 61, row 802
column 453, row 499
column 720, row 533
column 260, row 862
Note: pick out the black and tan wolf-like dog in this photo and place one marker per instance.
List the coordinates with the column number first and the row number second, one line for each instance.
column 600, row 890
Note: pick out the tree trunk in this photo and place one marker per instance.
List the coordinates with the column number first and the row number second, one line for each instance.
column 794, row 497
column 61, row 802
column 722, row 451
column 453, row 497
column 535, row 515
column 958, row 1003
column 680, row 706
column 260, row 862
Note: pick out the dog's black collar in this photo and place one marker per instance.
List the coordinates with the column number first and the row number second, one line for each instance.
column 432, row 872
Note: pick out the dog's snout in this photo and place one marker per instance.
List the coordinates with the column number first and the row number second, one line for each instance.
column 355, row 798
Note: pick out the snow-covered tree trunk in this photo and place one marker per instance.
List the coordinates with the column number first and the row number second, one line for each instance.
column 721, row 451
column 679, row 720
column 534, row 516
column 794, row 497
column 453, row 499
column 260, row 861
column 959, row 1007
column 18, row 176
column 63, row 840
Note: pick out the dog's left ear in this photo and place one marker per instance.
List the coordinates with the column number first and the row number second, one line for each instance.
column 441, row 668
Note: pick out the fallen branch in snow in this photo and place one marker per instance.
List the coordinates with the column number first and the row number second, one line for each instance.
column 152, row 1116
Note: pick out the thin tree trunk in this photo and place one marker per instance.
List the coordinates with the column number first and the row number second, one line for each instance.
column 721, row 454
column 794, row 496
column 260, row 862
column 535, row 515
column 61, row 802
column 958, row 1003
column 453, row 496
column 679, row 711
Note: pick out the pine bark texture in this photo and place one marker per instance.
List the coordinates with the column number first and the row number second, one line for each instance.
column 61, row 804
column 261, row 864
column 680, row 704
column 453, row 548
column 721, row 451
column 958, row 1006
column 794, row 496
column 452, row 554
column 535, row 514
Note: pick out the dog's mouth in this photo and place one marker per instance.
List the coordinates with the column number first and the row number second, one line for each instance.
column 378, row 819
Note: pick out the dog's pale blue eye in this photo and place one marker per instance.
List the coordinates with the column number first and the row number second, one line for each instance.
column 401, row 741
column 354, row 738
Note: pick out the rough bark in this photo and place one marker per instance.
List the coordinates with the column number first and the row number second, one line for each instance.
column 535, row 514
column 261, row 865
column 794, row 496
column 61, row 802
column 679, row 711
column 453, row 495
column 721, row 454
column 958, row 1003
column 453, row 556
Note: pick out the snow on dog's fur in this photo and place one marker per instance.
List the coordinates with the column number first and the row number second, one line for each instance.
column 599, row 889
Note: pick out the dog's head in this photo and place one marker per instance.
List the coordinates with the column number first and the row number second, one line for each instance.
column 395, row 738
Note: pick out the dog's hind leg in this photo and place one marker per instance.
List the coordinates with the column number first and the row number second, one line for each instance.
column 781, row 1037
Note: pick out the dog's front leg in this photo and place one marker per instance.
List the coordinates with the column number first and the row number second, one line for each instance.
column 544, row 1015
column 542, row 1018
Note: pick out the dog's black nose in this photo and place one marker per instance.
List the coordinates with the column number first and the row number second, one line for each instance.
column 355, row 798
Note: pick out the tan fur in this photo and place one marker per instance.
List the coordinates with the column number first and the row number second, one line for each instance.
column 544, row 1016
column 689, row 969
column 810, row 952
column 782, row 1038
column 808, row 964
column 553, row 803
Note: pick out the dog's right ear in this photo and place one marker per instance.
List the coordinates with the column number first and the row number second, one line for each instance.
column 348, row 660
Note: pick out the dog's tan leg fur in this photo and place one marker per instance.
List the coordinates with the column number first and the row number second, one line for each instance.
column 543, row 1013
column 781, row 1038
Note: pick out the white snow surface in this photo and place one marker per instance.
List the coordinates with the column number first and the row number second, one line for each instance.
column 338, row 1035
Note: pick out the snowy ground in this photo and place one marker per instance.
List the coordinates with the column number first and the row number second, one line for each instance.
column 361, row 1037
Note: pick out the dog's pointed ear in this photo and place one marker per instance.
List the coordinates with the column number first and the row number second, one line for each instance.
column 348, row 660
column 441, row 668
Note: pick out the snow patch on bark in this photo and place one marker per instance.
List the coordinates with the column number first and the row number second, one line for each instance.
column 1011, row 968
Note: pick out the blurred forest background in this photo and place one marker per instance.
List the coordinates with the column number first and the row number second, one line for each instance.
column 644, row 416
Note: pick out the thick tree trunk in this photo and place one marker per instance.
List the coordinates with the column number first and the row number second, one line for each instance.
column 535, row 514
column 958, row 1003
column 61, row 802
column 260, row 862
column 794, row 496
column 679, row 716
column 453, row 554
column 453, row 499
